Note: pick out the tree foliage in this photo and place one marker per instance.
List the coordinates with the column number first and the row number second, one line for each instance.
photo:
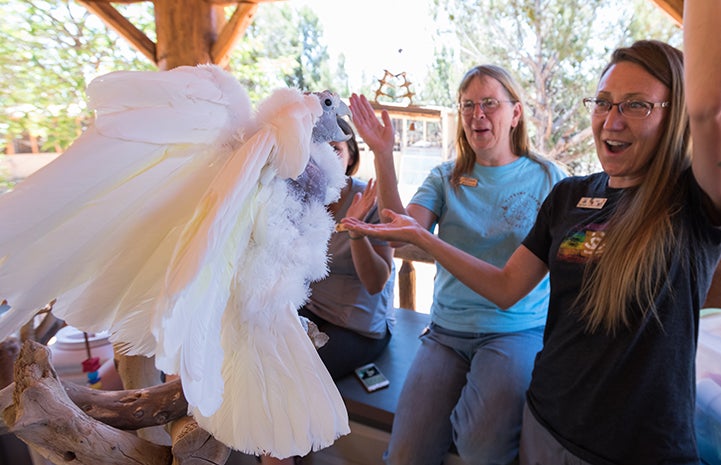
column 555, row 48
column 51, row 50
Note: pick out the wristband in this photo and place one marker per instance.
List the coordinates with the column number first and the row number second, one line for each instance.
column 355, row 238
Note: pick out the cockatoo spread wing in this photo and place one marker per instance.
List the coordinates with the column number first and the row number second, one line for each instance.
column 181, row 222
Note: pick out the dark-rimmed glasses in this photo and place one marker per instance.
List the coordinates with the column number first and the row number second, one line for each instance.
column 637, row 109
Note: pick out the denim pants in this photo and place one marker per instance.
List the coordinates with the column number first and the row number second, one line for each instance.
column 466, row 389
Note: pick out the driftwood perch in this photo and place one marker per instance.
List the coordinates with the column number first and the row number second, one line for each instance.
column 61, row 421
column 44, row 417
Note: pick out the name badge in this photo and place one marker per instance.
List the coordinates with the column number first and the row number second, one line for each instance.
column 595, row 203
column 470, row 182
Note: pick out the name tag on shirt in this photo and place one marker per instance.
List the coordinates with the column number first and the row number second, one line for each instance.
column 470, row 182
column 595, row 203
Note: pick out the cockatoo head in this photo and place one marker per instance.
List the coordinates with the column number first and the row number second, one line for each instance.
column 326, row 129
column 323, row 176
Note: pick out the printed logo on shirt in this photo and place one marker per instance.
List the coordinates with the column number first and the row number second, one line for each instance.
column 582, row 245
column 520, row 210
column 595, row 203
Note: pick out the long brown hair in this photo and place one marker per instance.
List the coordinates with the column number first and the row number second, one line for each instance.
column 520, row 143
column 632, row 267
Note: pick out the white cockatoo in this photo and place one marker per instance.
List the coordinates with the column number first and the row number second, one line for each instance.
column 189, row 226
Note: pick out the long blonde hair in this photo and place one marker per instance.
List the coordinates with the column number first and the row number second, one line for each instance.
column 520, row 143
column 632, row 267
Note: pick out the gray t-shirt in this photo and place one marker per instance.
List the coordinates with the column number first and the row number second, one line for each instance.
column 341, row 298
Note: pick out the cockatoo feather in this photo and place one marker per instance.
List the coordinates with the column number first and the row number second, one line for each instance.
column 189, row 227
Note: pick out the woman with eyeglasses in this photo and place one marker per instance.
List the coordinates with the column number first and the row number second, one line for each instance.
column 631, row 252
column 468, row 380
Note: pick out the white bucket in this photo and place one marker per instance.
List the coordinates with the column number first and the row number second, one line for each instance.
column 69, row 350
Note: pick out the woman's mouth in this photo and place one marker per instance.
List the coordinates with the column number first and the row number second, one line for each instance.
column 615, row 146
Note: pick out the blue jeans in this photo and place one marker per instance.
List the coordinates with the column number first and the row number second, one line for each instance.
column 464, row 388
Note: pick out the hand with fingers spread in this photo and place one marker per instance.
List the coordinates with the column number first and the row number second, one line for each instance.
column 379, row 135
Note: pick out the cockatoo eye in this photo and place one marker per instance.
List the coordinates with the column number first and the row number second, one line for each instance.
column 328, row 102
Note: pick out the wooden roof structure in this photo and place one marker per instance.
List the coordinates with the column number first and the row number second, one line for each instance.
column 190, row 32
column 673, row 7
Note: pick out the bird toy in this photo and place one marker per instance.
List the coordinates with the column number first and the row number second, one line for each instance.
column 91, row 366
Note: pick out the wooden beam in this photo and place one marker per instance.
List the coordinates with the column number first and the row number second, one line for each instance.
column 122, row 26
column 234, row 29
column 673, row 7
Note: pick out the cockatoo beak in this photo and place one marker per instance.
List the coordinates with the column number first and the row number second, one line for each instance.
column 342, row 110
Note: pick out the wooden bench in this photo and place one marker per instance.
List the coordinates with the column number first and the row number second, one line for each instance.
column 376, row 409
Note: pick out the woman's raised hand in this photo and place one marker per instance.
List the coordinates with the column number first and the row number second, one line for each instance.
column 362, row 202
column 379, row 136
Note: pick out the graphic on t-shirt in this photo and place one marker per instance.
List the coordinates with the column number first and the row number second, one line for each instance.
column 519, row 210
column 582, row 244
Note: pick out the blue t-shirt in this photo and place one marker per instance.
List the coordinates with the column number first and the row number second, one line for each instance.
column 487, row 216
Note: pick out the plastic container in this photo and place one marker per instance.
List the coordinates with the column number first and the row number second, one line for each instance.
column 68, row 352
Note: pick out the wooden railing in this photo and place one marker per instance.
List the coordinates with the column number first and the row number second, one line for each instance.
column 407, row 274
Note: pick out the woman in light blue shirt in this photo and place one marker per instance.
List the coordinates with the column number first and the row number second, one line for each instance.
column 467, row 383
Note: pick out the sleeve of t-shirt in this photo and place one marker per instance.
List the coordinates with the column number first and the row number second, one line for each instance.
column 429, row 194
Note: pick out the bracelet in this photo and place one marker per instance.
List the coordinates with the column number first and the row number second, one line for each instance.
column 355, row 238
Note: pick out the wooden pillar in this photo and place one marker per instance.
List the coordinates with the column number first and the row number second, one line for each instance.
column 186, row 31
column 407, row 285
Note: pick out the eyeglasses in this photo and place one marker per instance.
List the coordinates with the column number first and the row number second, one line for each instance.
column 637, row 109
column 488, row 105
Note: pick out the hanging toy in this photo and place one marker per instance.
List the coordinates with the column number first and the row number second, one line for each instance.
column 91, row 366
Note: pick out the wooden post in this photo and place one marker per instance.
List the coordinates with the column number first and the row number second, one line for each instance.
column 186, row 31
column 407, row 274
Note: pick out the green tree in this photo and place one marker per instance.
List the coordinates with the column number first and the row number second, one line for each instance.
column 50, row 51
column 282, row 47
column 556, row 49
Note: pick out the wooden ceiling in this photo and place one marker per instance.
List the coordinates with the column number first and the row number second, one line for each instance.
column 189, row 32
column 673, row 7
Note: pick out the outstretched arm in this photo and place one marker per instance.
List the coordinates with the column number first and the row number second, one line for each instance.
column 371, row 262
column 380, row 137
column 504, row 287
column 702, row 68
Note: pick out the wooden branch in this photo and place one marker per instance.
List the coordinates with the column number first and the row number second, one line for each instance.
column 131, row 409
column 193, row 445
column 139, row 372
column 6, row 401
column 43, row 416
column 9, row 349
column 234, row 29
column 122, row 26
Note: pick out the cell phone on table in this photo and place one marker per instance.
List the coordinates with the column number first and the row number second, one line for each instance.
column 371, row 377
